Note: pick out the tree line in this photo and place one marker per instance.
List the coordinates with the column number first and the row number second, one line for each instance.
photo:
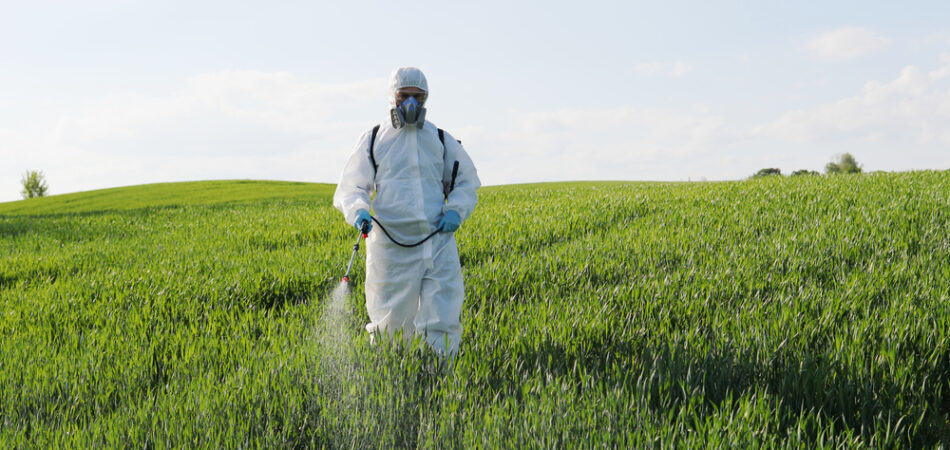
column 845, row 163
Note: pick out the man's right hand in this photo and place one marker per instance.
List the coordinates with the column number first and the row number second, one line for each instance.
column 361, row 217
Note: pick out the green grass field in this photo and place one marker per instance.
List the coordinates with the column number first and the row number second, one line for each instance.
column 790, row 312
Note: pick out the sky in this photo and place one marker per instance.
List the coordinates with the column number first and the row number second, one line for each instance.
column 107, row 93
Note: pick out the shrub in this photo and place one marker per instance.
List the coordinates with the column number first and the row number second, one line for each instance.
column 767, row 172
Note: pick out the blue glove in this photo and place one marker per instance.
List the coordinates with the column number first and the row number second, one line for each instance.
column 450, row 221
column 363, row 216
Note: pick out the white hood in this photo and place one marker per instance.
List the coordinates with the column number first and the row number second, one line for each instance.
column 406, row 77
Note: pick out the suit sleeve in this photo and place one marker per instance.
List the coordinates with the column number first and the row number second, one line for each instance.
column 464, row 197
column 357, row 181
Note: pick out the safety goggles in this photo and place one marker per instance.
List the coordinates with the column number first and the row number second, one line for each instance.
column 419, row 96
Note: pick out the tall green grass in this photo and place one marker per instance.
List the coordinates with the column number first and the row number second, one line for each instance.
column 783, row 312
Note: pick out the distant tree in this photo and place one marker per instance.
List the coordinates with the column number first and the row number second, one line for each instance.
column 767, row 172
column 34, row 184
column 804, row 172
column 848, row 164
column 845, row 164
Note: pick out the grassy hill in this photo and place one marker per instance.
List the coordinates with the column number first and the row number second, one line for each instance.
column 787, row 311
column 161, row 195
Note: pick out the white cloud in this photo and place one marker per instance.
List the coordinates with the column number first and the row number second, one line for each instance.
column 680, row 68
column 939, row 38
column 610, row 143
column 274, row 101
column 846, row 43
column 650, row 68
column 230, row 124
column 280, row 101
column 675, row 69
column 913, row 108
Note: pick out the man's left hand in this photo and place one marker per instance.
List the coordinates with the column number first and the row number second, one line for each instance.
column 450, row 221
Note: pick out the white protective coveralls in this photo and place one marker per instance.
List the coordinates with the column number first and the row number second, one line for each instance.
column 419, row 289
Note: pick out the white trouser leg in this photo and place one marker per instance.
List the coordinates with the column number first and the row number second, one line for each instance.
column 393, row 284
column 442, row 293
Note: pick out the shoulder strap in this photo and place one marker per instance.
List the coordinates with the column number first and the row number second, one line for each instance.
column 372, row 144
column 442, row 140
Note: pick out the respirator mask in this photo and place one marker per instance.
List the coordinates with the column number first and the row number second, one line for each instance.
column 408, row 112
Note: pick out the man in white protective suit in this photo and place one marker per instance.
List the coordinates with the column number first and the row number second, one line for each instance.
column 425, row 185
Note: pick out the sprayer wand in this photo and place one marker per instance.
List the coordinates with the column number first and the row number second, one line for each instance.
column 364, row 230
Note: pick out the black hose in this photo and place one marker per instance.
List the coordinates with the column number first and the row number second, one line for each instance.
column 381, row 227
